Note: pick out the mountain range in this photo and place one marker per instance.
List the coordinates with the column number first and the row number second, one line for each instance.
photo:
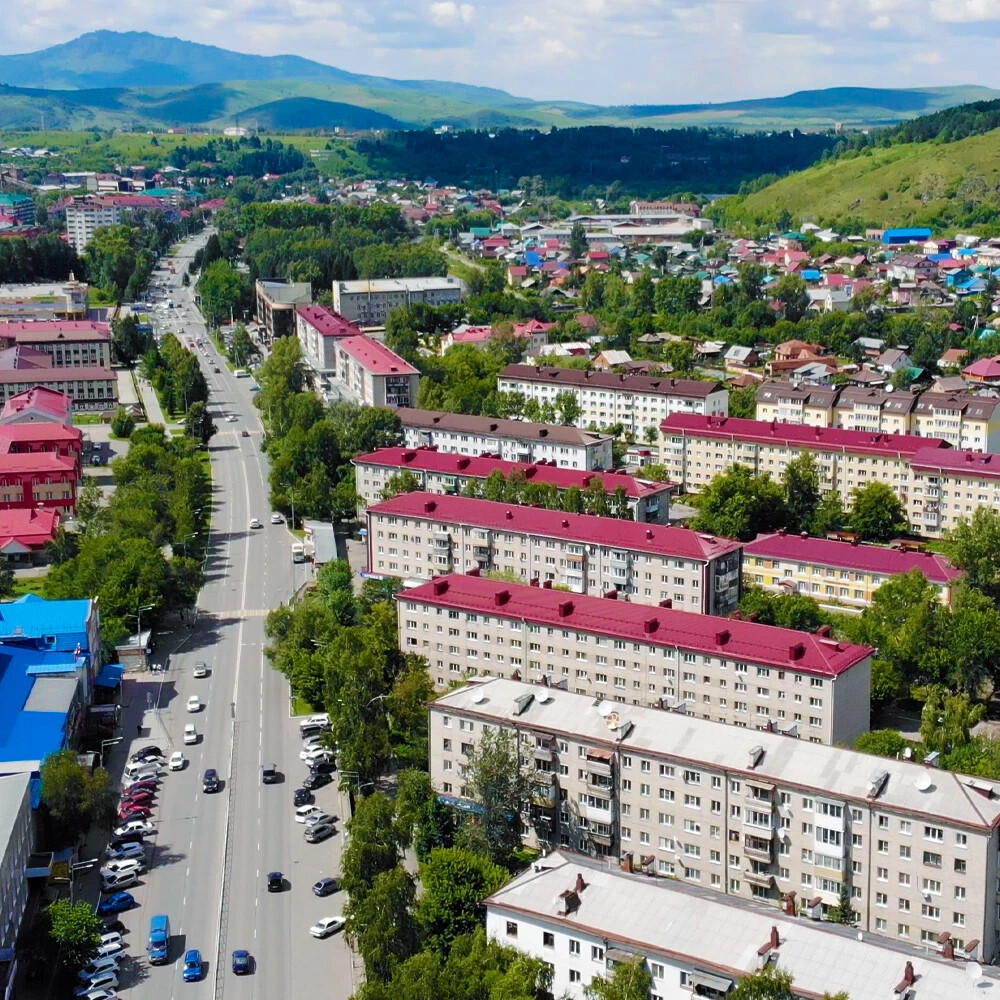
column 137, row 79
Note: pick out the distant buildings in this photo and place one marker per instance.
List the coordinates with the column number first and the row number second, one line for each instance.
column 85, row 215
column 369, row 303
column 276, row 302
column 63, row 300
column 18, row 206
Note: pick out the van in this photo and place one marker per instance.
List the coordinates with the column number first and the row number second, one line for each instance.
column 114, row 881
column 141, row 769
column 319, row 831
column 158, row 947
column 241, row 373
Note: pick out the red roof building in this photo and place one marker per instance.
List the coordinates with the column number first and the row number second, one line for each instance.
column 38, row 479
column 23, row 532
column 38, row 405
column 985, row 371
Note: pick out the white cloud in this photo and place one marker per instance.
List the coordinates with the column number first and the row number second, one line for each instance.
column 964, row 11
column 448, row 14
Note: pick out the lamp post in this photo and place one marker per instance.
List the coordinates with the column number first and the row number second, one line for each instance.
column 138, row 624
column 291, row 495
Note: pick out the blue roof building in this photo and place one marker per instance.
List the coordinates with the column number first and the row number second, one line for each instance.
column 902, row 237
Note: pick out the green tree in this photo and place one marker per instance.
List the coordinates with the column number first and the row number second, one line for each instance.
column 739, row 504
column 122, row 424
column 413, row 793
column 974, row 546
column 76, row 930
column 947, row 719
column 569, row 408
column 198, row 423
column 127, row 342
column 876, row 512
column 843, row 911
column 771, row 983
column 793, row 295
column 630, row 980
column 72, row 795
column 437, row 827
column 404, row 481
column 455, row 882
column 373, row 847
column 382, row 923
column 829, row 515
column 578, row 245
column 883, row 742
column 743, row 402
column 406, row 706
column 221, row 291
column 802, row 495
column 241, row 347
column 795, row 611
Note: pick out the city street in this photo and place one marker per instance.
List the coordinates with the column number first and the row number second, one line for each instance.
column 210, row 854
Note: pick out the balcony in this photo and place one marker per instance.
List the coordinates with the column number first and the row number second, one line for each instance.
column 441, row 540
column 603, row 837
column 759, row 830
column 764, row 880
column 577, row 558
column 620, row 560
column 596, row 814
column 598, row 767
column 544, row 796
column 758, row 849
column 543, row 753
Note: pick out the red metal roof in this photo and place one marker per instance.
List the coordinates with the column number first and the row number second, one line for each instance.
column 984, row 465
column 846, row 555
column 22, row 463
column 726, row 638
column 41, row 431
column 56, row 404
column 583, row 528
column 799, row 435
column 432, row 460
column 83, row 373
column 375, row 357
column 984, row 368
column 328, row 323
column 663, row 386
column 32, row 527
column 44, row 331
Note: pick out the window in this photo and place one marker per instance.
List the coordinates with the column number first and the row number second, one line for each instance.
column 574, row 946
column 656, row 970
column 548, row 939
column 574, row 975
column 511, row 929
column 596, row 953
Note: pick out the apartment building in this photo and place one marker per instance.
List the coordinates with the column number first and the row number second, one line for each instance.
column 38, row 479
column 47, row 301
column 737, row 672
column 511, row 440
column 420, row 535
column 370, row 302
column 85, row 215
column 90, row 388
column 748, row 815
column 582, row 918
column 947, row 487
column 437, row 472
column 17, row 206
column 318, row 330
column 368, row 373
column 842, row 574
column 17, row 839
column 695, row 449
column 276, row 303
column 963, row 419
column 638, row 402
column 69, row 343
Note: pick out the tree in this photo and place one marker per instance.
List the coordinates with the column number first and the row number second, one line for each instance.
column 241, row 347
column 122, row 424
column 406, row 706
column 500, row 785
column 413, row 792
column 404, row 481
column 829, row 514
column 876, row 512
column 743, row 402
column 221, row 290
column 771, row 983
column 796, row 611
column 578, row 245
column 455, row 882
column 843, row 911
column 382, row 923
column 76, row 929
column 793, row 295
column 72, row 795
column 569, row 408
column 947, row 719
column 630, row 980
column 198, row 423
column 372, row 848
column 436, row 827
column 739, row 504
column 127, row 342
column 974, row 546
column 883, row 742
column 801, row 482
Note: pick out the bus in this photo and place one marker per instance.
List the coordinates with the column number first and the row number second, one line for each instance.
column 298, row 552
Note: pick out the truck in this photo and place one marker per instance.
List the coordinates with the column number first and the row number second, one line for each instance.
column 298, row 552
column 158, row 946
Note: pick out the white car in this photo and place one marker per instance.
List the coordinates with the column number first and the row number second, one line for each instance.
column 102, row 981
column 111, row 937
column 194, row 703
column 131, row 849
column 313, row 742
column 320, row 719
column 112, row 948
column 200, row 669
column 255, row 523
column 232, row 418
column 303, row 813
column 190, row 734
column 326, row 926
column 118, row 867
column 317, row 755
column 99, row 966
column 276, row 518
column 134, row 826
column 127, row 783
column 99, row 995
column 177, row 761
column 113, row 882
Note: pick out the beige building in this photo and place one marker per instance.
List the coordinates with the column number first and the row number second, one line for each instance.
column 420, row 535
column 276, row 302
column 370, row 302
column 49, row 301
column 747, row 675
column 746, row 814
column 69, row 343
column 948, row 487
column 795, row 404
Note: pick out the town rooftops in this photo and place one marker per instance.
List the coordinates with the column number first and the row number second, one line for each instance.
column 54, row 404
column 985, row 465
column 518, row 430
column 730, row 639
column 847, row 555
column 773, row 390
column 799, row 435
column 328, row 323
column 666, row 918
column 432, row 460
column 375, row 357
column 585, row 529
column 850, row 775
column 649, row 384
column 984, row 369
column 81, row 373
column 29, row 526
column 46, row 331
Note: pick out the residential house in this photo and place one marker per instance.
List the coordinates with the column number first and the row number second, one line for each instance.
column 985, row 371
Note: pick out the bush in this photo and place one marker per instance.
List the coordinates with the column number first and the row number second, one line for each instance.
column 122, row 424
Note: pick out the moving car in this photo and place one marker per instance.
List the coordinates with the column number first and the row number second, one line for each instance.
column 177, row 761
column 255, row 523
column 104, row 981
column 241, row 962
column 319, row 832
column 302, row 797
column 130, row 849
column 210, row 782
column 269, row 774
column 232, row 418
column 116, row 903
column 216, row 369
column 200, row 669
column 194, row 703
column 276, row 518
column 134, row 826
column 325, row 887
column 244, row 433
column 192, row 966
column 190, row 734
column 326, row 926
column 275, row 881
column 304, row 812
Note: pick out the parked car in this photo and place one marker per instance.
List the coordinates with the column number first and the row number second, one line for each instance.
column 146, row 752
column 118, row 880
column 99, row 994
column 320, row 720
column 117, row 840
column 149, row 784
column 137, row 797
column 241, row 962
column 326, row 926
column 114, row 924
column 111, row 937
column 194, row 703
column 316, row 780
column 177, row 761
column 304, row 812
column 116, row 903
column 210, row 781
column 124, row 865
column 97, row 967
column 134, row 826
column 192, row 966
column 319, row 832
column 105, row 981
column 126, row 851
column 321, row 817
column 276, row 518
column 302, row 797
column 128, row 811
column 322, row 767
column 325, row 887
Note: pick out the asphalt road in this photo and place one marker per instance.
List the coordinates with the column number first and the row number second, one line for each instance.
column 211, row 852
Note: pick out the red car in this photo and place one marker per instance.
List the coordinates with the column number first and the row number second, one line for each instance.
column 141, row 786
column 127, row 812
column 139, row 798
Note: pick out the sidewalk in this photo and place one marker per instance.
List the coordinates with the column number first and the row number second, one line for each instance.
column 154, row 412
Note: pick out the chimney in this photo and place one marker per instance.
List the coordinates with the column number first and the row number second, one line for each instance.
column 509, row 515
column 650, row 625
column 803, row 534
column 473, row 572
column 824, row 630
column 533, row 582
column 430, row 506
column 722, row 637
column 501, row 597
column 752, row 617
column 772, row 943
column 409, row 456
column 565, row 607
column 440, row 587
column 855, row 542
column 909, row 978
column 565, row 523
column 546, row 585
column 649, row 532
column 667, row 602
column 580, row 884
column 796, row 651
column 788, row 904
column 463, row 463
column 782, row 532
column 611, row 595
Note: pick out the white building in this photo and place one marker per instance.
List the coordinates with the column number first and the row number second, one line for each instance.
column 85, row 216
column 370, row 302
column 370, row 374
column 16, row 838
column 318, row 330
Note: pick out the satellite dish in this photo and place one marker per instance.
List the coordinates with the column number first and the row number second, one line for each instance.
column 923, row 782
column 613, row 719
column 974, row 970
column 605, row 709
column 478, row 696
column 543, row 697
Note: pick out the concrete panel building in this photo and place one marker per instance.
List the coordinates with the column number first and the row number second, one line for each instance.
column 318, row 330
column 746, row 815
column 370, row 302
column 276, row 302
column 16, row 843
column 948, row 486
column 511, row 440
column 85, row 215
column 370, row 374
column 420, row 535
column 737, row 672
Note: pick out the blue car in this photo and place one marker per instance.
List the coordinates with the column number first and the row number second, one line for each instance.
column 115, row 903
column 241, row 962
column 192, row 966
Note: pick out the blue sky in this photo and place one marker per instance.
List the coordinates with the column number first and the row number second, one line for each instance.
column 599, row 51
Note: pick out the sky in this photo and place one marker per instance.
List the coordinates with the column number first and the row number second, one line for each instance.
column 597, row 51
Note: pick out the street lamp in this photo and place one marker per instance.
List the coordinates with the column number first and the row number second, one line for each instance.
column 138, row 617
column 291, row 495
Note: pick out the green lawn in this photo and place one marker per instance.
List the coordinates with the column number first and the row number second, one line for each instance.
column 301, row 707
column 86, row 419
column 29, row 585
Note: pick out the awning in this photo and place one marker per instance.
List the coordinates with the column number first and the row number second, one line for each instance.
column 110, row 675
column 595, row 753
column 720, row 984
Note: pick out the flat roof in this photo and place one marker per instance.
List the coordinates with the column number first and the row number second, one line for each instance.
column 42, row 290
column 663, row 917
column 847, row 555
column 375, row 357
column 432, row 460
column 799, row 435
column 823, row 770
column 728, row 639
column 375, row 286
column 13, row 790
column 661, row 385
column 516, row 430
column 328, row 323
column 584, row 529
column 52, row 694
column 984, row 465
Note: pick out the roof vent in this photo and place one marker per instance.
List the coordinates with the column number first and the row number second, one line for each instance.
column 546, row 585
column 667, row 602
column 543, row 432
column 509, row 515
column 430, row 506
column 650, row 625
column 722, row 637
column 909, row 979
column 440, row 587
column 796, row 651
column 565, row 608
column 522, row 701
column 493, row 427
column 565, row 523
column 409, row 456
column 755, row 756
column 611, row 595
column 501, row 597
column 877, row 783
column 463, row 463
column 649, row 532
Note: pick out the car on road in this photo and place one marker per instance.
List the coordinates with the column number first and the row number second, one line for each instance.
column 232, row 418
column 317, row 818
column 210, row 781
column 192, row 966
column 177, row 761
column 319, row 831
column 134, row 826
column 97, row 967
column 302, row 797
column 116, row 903
column 325, row 887
column 276, row 518
column 316, row 780
column 275, row 882
column 255, row 523
column 145, row 752
column 190, row 734
column 118, row 880
column 326, row 926
column 241, row 962
column 269, row 774
column 304, row 812
column 105, row 981
column 130, row 849
column 194, row 703
column 200, row 669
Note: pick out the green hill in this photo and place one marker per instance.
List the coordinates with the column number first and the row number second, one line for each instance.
column 943, row 185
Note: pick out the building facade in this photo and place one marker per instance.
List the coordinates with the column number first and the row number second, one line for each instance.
column 947, row 488
column 843, row 574
column 749, row 815
column 85, row 215
column 511, row 440
column 92, row 389
column 276, row 302
column 737, row 672
column 318, row 330
column 605, row 399
column 369, row 374
column 50, row 301
column 17, row 840
column 370, row 302
column 18, row 206
column 420, row 535
column 436, row 472
column 69, row 343
column 38, row 479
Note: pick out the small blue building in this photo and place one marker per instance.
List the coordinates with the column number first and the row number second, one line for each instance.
column 903, row 237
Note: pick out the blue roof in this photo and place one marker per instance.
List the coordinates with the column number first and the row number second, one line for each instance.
column 35, row 616
column 915, row 235
column 723, row 280
column 811, row 275
column 24, row 735
column 533, row 257
column 939, row 256
column 110, row 675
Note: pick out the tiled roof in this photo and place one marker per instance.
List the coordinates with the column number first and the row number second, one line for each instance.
column 606, row 380
column 586, row 529
column 53, row 402
column 432, row 460
column 518, row 430
column 846, row 555
column 732, row 640
column 798, row 435
column 46, row 331
column 375, row 357
column 327, row 322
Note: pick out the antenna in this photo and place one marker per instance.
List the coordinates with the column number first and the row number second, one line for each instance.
column 923, row 782
column 478, row 696
column 543, row 697
column 605, row 709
